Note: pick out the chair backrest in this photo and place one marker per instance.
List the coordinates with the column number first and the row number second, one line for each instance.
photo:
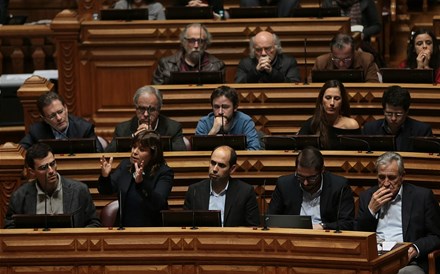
column 109, row 213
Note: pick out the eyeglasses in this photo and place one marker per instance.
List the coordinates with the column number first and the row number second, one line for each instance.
column 54, row 115
column 149, row 109
column 46, row 166
column 391, row 114
column 391, row 178
column 311, row 179
column 344, row 60
column 192, row 41
column 260, row 50
column 224, row 106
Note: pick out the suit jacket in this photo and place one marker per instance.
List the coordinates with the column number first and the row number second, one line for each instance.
column 284, row 70
column 172, row 63
column 141, row 203
column 362, row 60
column 78, row 128
column 166, row 127
column 288, row 195
column 409, row 129
column 420, row 219
column 76, row 200
column 241, row 207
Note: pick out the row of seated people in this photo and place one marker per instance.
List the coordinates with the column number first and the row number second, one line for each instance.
column 268, row 64
column 395, row 210
column 330, row 119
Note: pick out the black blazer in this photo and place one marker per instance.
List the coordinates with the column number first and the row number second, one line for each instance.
column 420, row 219
column 287, row 199
column 241, row 207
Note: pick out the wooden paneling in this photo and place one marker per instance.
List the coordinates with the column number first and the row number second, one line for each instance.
column 205, row 250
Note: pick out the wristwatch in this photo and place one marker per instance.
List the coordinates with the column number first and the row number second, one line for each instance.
column 323, row 225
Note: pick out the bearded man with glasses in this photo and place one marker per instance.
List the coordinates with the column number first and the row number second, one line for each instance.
column 344, row 55
column 312, row 191
column 401, row 212
column 51, row 193
column 192, row 56
column 57, row 123
column 395, row 103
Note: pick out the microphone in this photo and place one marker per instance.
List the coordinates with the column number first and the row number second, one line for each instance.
column 306, row 81
column 149, row 117
column 200, row 61
column 46, row 224
column 129, row 4
column 339, row 209
column 63, row 135
column 263, row 203
column 359, row 140
column 121, row 227
column 429, row 141
column 194, row 211
column 295, row 144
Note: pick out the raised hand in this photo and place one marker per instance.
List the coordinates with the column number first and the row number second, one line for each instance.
column 139, row 172
column 106, row 166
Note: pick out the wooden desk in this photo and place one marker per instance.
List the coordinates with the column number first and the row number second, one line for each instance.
column 206, row 250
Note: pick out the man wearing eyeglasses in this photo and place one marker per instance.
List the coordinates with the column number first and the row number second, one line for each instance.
column 343, row 55
column 57, row 123
column 395, row 103
column 148, row 103
column 401, row 212
column 51, row 193
column 192, row 56
column 314, row 192
column 267, row 63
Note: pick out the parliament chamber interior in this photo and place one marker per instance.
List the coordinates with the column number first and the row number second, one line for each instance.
column 98, row 65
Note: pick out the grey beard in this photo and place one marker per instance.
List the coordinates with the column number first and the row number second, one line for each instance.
column 195, row 56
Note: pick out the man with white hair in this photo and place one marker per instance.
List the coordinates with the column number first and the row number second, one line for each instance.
column 192, row 56
column 267, row 63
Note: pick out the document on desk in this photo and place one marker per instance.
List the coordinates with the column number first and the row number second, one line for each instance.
column 387, row 246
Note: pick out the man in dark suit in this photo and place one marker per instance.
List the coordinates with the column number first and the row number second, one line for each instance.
column 315, row 192
column 235, row 199
column 401, row 212
column 148, row 102
column 395, row 103
column 60, row 194
column 57, row 123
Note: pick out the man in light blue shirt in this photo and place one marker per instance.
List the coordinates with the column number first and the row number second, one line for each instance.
column 226, row 119
column 401, row 213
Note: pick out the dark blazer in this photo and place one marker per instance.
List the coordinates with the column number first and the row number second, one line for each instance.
column 76, row 199
column 141, row 203
column 166, row 127
column 284, row 70
column 288, row 195
column 78, row 128
column 420, row 219
column 241, row 207
column 409, row 128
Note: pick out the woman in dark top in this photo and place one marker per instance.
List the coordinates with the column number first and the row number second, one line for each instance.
column 423, row 52
column 331, row 117
column 144, row 181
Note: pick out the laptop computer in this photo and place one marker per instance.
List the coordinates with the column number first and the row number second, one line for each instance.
column 254, row 12
column 196, row 77
column 123, row 144
column 209, row 142
column 343, row 75
column 71, row 145
column 367, row 142
column 396, row 75
column 287, row 221
column 315, row 12
column 426, row 144
column 290, row 142
column 124, row 14
column 185, row 218
column 40, row 220
column 190, row 13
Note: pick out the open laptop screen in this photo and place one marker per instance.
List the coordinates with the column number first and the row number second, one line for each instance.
column 287, row 221
column 395, row 75
column 71, row 145
column 315, row 12
column 343, row 75
column 196, row 77
column 209, row 142
column 367, row 142
column 124, row 14
column 290, row 142
column 189, row 13
column 182, row 218
column 254, row 12
column 123, row 144
column 40, row 220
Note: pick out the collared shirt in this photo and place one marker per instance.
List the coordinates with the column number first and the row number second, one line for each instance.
column 60, row 135
column 54, row 202
column 311, row 204
column 217, row 200
column 389, row 226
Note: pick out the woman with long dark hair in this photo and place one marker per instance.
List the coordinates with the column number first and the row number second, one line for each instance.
column 332, row 116
column 143, row 181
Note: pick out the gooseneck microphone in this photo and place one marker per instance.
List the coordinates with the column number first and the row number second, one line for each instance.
column 64, row 136
column 194, row 211
column 338, row 230
column 200, row 60
column 263, row 203
column 121, row 226
column 306, row 81
column 359, row 140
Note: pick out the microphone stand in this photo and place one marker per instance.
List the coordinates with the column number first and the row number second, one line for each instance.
column 338, row 230
column 200, row 62
column 121, row 227
column 263, row 203
column 295, row 144
column 342, row 137
column 194, row 211
column 46, row 224
column 306, row 81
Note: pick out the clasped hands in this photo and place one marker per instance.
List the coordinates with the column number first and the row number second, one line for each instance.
column 264, row 64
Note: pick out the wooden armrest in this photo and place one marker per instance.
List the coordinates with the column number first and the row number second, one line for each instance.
column 431, row 260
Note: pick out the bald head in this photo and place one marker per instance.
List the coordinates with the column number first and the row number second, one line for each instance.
column 263, row 44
